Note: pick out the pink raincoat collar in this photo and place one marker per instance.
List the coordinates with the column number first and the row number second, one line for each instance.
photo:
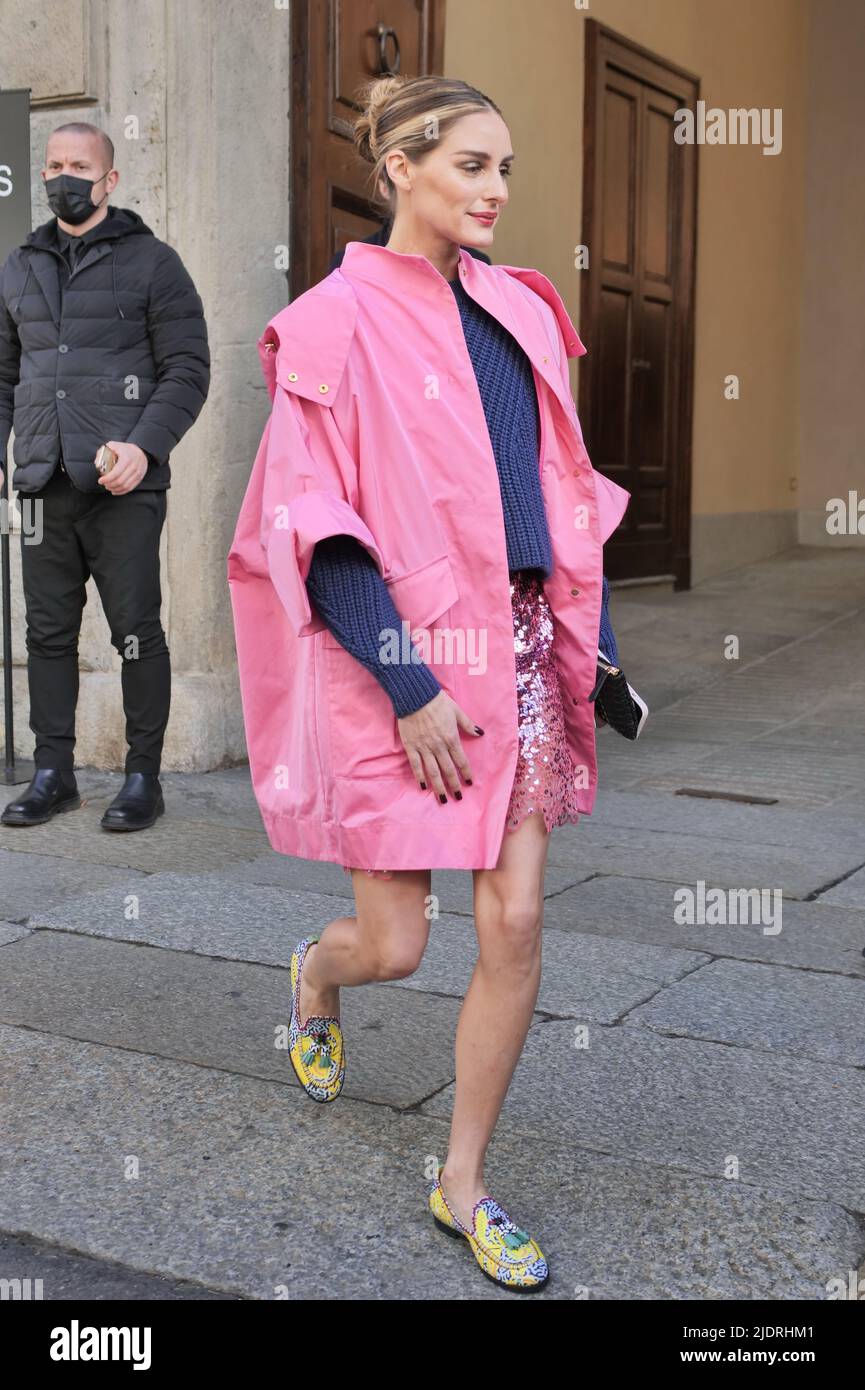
column 306, row 350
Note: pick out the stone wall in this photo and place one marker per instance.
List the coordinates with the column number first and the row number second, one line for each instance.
column 195, row 97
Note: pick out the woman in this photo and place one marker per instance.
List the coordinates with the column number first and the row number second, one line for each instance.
column 416, row 580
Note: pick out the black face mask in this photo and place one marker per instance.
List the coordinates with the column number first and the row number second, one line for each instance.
column 69, row 197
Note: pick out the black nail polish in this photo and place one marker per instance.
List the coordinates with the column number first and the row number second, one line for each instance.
column 469, row 782
column 423, row 784
column 477, row 730
column 458, row 796
column 442, row 797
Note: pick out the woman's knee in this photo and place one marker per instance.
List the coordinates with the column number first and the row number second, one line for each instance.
column 510, row 927
column 397, row 953
column 393, row 924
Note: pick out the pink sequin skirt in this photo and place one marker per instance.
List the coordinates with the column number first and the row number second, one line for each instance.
column 544, row 781
column 544, row 778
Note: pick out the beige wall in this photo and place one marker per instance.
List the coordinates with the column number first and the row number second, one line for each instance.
column 750, row 248
column 832, row 361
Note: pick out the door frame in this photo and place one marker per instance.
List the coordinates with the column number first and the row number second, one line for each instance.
column 604, row 45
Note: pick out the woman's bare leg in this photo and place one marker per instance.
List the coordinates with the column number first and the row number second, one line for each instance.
column 497, row 1011
column 385, row 941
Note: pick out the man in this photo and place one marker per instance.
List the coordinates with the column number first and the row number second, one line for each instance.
column 102, row 341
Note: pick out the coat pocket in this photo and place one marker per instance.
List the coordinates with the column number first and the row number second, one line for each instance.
column 420, row 596
column 364, row 733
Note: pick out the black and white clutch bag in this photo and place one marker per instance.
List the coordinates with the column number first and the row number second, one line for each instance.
column 616, row 702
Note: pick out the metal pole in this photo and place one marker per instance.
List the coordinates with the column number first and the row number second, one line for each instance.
column 15, row 221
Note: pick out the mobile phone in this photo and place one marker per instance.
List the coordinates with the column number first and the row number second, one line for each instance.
column 105, row 459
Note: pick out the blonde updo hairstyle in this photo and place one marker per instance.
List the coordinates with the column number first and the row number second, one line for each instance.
column 412, row 114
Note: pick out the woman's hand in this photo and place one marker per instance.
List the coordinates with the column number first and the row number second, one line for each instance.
column 431, row 740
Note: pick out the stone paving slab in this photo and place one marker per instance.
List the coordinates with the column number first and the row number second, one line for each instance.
column 228, row 1195
column 849, row 893
column 764, row 1006
column 231, row 914
column 796, row 777
column 585, row 977
column 796, row 1126
column 216, row 917
column 621, row 762
column 635, row 909
column 707, row 609
column 671, row 726
column 30, row 882
column 9, row 931
column 62, row 1275
column 172, row 843
column 221, row 1014
column 750, row 694
column 676, row 857
column 454, row 888
column 810, row 737
column 811, row 831
column 202, row 913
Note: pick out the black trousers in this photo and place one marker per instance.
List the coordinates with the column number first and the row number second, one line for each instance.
column 116, row 539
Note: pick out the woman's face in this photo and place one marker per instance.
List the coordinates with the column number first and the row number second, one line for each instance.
column 459, row 189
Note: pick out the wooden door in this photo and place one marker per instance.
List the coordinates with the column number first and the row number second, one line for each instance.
column 336, row 47
column 637, row 305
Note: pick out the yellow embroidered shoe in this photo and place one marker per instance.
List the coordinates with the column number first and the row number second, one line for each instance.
column 316, row 1048
column 505, row 1253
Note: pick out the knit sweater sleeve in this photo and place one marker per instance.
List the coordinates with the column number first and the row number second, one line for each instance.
column 353, row 599
column 606, row 636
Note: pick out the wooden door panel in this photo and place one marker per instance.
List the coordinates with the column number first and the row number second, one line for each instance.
column 618, row 226
column 637, row 299
column 613, row 343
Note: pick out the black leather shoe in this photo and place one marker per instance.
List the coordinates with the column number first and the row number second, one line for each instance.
column 51, row 791
column 136, row 805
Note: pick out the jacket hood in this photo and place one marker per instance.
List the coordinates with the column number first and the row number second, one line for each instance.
column 120, row 222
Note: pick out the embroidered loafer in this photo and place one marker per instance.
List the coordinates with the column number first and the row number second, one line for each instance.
column 505, row 1253
column 316, row 1045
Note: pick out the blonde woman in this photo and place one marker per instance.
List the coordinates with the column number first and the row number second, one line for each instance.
column 417, row 588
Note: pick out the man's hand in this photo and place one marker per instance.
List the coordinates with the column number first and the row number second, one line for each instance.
column 431, row 740
column 128, row 471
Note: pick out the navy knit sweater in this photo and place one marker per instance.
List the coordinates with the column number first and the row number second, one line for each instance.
column 344, row 582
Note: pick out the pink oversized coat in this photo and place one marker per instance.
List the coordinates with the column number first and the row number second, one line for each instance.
column 377, row 430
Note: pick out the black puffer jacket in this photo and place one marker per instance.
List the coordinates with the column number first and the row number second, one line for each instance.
column 121, row 354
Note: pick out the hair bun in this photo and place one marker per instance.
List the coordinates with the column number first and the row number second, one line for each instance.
column 375, row 97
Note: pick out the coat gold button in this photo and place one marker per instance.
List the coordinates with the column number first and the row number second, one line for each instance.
column 324, row 388
column 292, row 376
column 575, row 592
